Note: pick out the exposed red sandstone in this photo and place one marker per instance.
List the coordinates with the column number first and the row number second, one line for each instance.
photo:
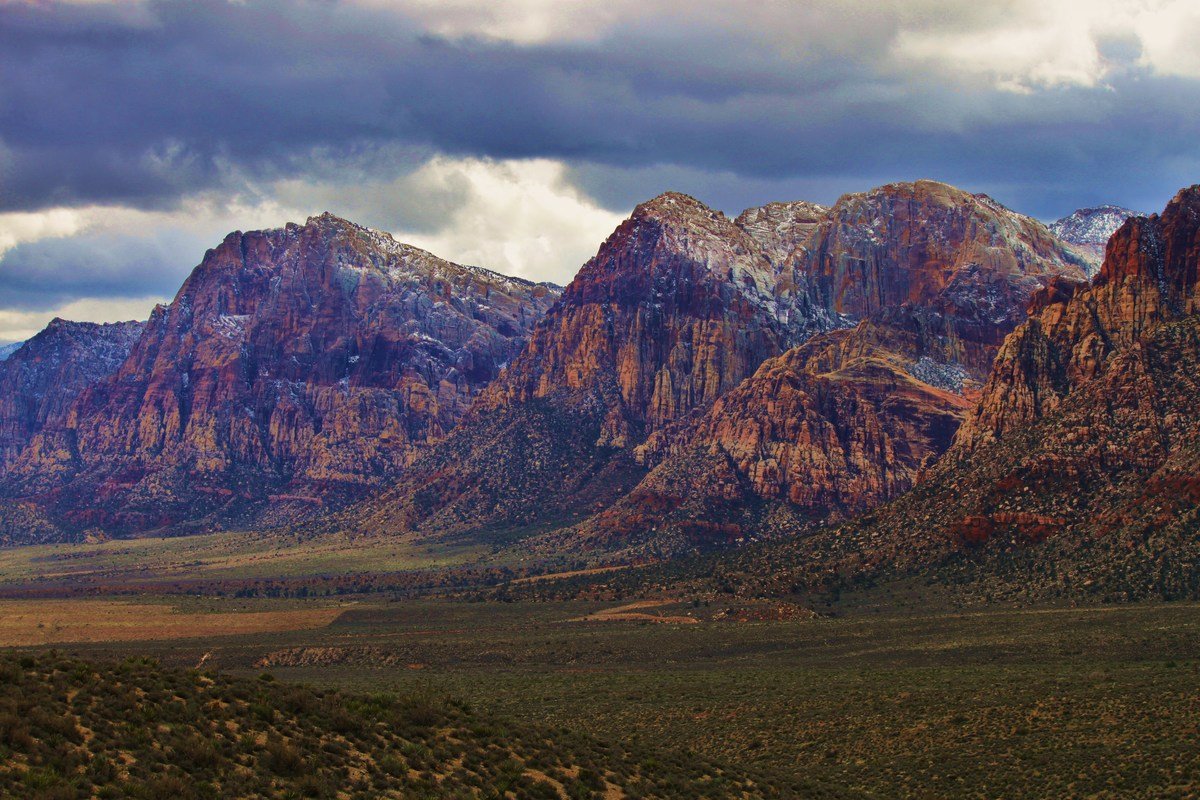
column 305, row 362
column 657, row 352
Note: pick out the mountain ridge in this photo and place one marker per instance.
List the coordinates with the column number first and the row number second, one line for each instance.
column 296, row 367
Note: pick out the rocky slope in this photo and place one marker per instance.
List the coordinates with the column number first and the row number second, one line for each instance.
column 851, row 418
column 649, row 357
column 679, row 305
column 294, row 368
column 42, row 378
column 1088, row 230
column 7, row 350
column 1076, row 472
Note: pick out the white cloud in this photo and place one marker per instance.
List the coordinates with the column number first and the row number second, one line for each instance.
column 518, row 217
column 519, row 21
column 1028, row 45
column 19, row 227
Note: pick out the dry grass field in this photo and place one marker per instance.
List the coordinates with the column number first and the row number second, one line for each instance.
column 220, row 556
column 25, row 623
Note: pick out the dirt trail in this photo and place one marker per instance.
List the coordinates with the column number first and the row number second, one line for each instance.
column 550, row 576
column 632, row 611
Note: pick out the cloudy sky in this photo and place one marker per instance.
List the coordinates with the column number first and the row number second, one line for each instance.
column 135, row 133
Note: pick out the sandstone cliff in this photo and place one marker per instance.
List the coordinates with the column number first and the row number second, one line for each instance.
column 654, row 360
column 1077, row 471
column 296, row 366
column 851, row 418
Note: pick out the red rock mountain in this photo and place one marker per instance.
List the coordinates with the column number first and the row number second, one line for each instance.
column 1086, row 441
column 671, row 351
column 849, row 419
column 679, row 305
column 299, row 365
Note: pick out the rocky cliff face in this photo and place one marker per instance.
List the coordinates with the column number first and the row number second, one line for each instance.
column 1148, row 278
column 1086, row 442
column 1087, row 231
column 679, row 306
column 654, row 360
column 42, row 377
column 851, row 418
column 294, row 365
column 968, row 261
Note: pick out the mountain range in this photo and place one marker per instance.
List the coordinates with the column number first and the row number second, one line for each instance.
column 919, row 366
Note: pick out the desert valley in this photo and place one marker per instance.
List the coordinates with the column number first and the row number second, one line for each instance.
column 585, row 483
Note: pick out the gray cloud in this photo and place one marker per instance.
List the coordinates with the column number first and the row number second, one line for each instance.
column 101, row 105
column 156, row 126
column 48, row 273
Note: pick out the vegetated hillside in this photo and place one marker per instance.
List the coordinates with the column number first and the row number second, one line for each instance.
column 296, row 368
column 72, row 728
column 1076, row 474
column 651, row 356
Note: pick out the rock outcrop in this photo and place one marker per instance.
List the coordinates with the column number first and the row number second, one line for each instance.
column 296, row 367
column 851, row 418
column 970, row 263
column 1148, row 278
column 1086, row 442
column 679, row 305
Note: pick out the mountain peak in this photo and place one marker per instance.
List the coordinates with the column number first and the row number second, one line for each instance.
column 781, row 227
column 326, row 218
column 1091, row 226
column 674, row 206
column 1161, row 248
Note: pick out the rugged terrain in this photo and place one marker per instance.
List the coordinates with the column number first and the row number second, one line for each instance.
column 702, row 379
column 819, row 357
column 849, row 419
column 679, row 305
column 41, row 379
column 1089, row 229
column 295, row 368
column 1075, row 474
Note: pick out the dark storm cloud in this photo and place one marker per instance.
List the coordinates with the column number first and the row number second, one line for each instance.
column 45, row 274
column 99, row 104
